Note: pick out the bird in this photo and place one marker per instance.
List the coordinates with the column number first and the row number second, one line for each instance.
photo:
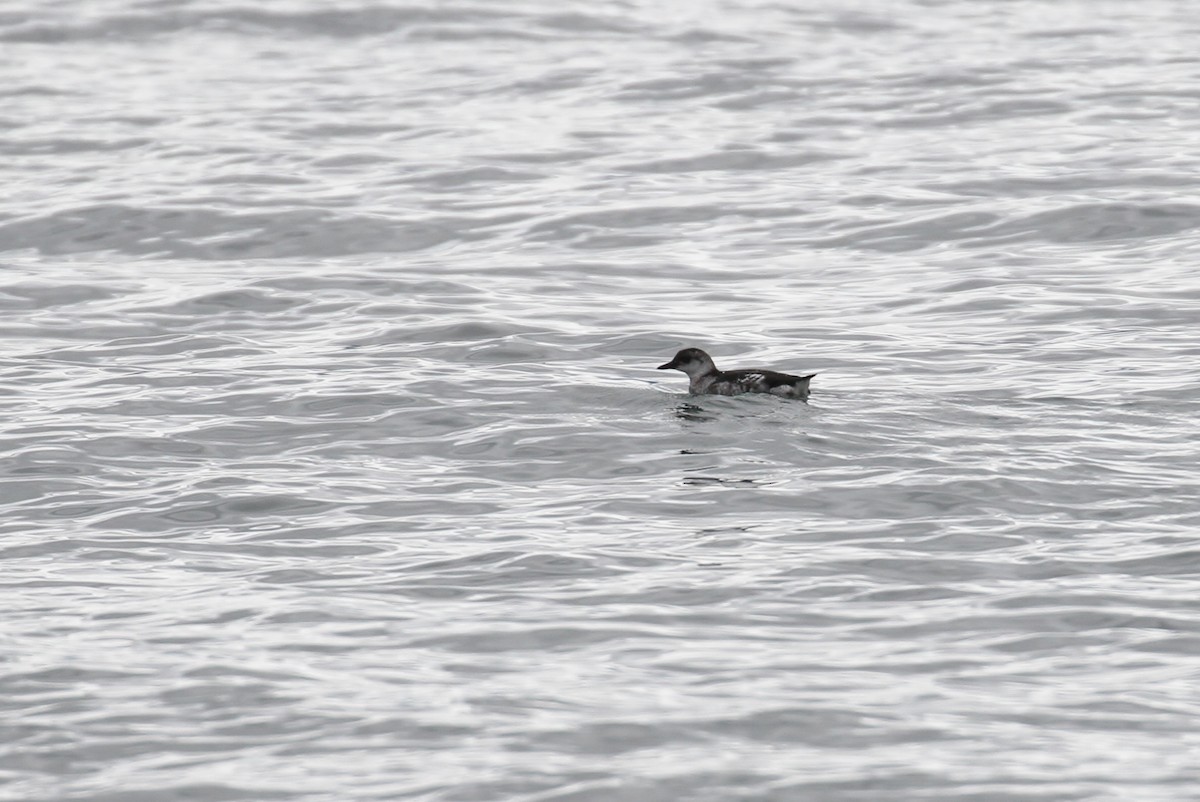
column 706, row 379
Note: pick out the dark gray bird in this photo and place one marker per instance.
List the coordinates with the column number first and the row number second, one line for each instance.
column 705, row 379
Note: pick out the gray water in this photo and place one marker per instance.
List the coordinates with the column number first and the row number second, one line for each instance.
column 334, row 464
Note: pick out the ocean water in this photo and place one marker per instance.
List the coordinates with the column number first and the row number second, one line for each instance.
column 334, row 465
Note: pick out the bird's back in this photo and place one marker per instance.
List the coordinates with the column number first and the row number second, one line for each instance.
column 755, row 380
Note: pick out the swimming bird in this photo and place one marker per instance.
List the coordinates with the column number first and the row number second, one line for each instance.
column 705, row 379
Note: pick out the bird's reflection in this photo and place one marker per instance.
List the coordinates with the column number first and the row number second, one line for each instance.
column 706, row 481
column 745, row 406
column 693, row 413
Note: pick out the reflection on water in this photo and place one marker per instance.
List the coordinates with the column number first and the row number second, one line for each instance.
column 701, row 481
column 694, row 413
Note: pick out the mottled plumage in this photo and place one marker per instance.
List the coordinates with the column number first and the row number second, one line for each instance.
column 705, row 379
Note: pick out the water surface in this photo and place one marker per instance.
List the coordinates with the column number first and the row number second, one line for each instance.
column 335, row 466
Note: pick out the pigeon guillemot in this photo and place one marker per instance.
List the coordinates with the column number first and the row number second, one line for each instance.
column 705, row 379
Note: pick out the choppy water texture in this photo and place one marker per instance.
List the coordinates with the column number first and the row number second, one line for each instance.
column 335, row 467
